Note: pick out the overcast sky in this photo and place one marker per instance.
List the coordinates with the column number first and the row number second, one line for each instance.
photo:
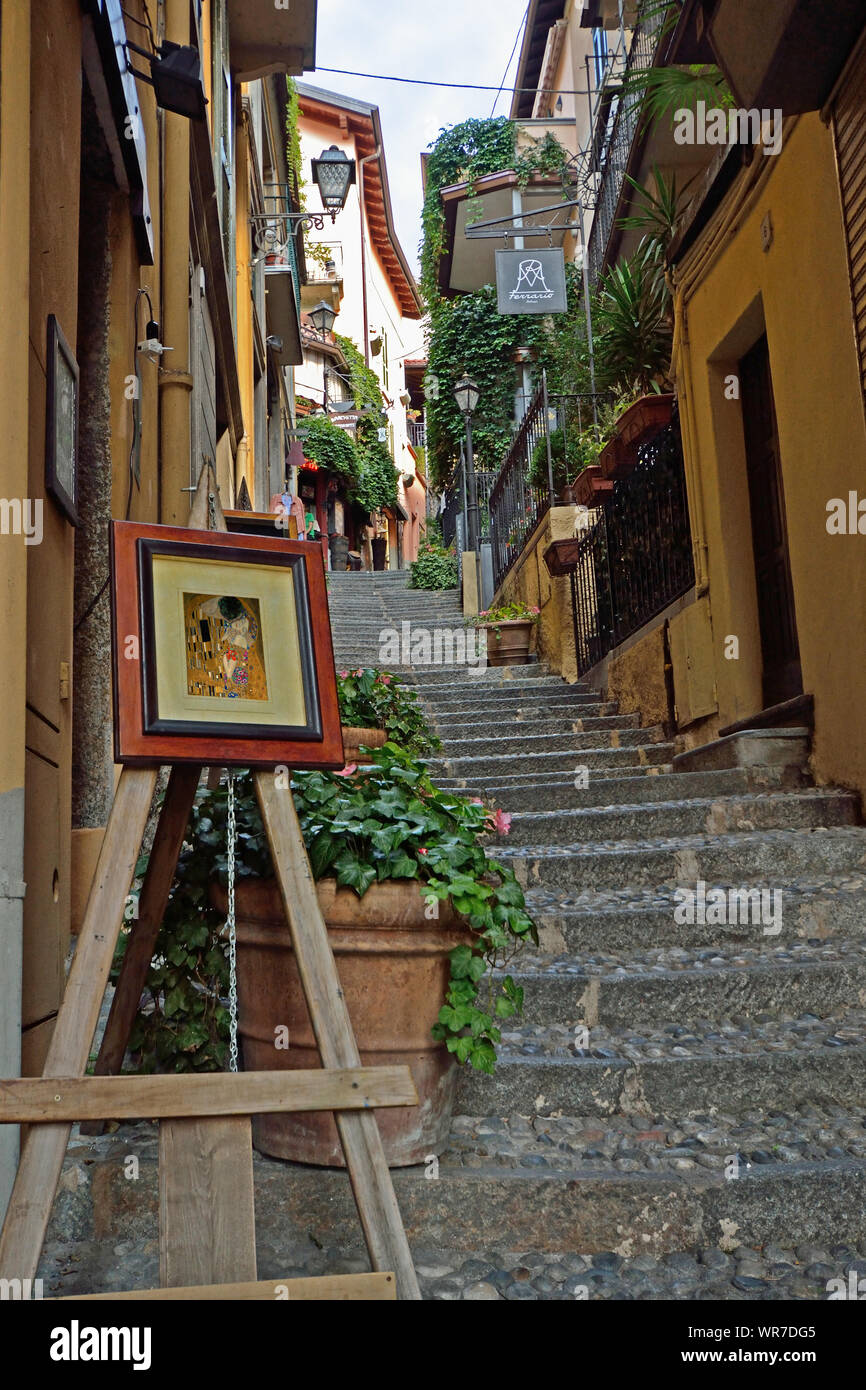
column 448, row 40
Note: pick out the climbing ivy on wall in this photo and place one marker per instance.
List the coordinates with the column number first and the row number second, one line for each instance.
column 377, row 476
column 467, row 333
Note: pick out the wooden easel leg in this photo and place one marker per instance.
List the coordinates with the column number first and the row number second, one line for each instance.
column 170, row 830
column 42, row 1158
column 207, row 1229
column 359, row 1133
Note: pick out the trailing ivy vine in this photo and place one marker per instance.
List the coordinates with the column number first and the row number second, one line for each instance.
column 377, row 476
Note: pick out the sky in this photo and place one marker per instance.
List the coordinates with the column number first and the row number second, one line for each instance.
column 448, row 40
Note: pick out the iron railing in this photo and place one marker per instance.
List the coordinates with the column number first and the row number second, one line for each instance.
column 616, row 123
column 417, row 434
column 636, row 558
column 521, row 494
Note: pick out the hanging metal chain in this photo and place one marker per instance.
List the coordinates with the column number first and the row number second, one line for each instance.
column 230, row 924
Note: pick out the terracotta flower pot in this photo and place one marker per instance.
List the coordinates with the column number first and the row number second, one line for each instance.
column 511, row 646
column 394, row 970
column 644, row 419
column 616, row 460
column 353, row 739
column 590, row 488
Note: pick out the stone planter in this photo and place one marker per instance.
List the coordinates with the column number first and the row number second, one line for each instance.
column 511, row 646
column 394, row 971
column 353, row 739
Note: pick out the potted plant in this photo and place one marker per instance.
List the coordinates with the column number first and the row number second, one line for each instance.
column 418, row 915
column 509, row 632
column 375, row 706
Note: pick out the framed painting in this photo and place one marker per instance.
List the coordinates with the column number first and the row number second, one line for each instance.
column 262, row 524
column 222, row 650
column 61, row 425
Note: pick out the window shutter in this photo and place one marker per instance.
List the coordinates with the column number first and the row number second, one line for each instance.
column 849, row 130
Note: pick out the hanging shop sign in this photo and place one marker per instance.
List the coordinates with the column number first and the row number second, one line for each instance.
column 531, row 282
column 222, row 650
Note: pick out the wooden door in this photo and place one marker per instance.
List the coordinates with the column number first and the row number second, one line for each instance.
column 780, row 648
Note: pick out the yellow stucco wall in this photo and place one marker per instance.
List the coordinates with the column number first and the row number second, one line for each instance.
column 798, row 292
column 530, row 581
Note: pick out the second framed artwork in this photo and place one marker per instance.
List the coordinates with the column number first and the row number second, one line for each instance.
column 222, row 650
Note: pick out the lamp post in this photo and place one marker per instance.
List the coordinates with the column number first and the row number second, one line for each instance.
column 322, row 318
column 466, row 394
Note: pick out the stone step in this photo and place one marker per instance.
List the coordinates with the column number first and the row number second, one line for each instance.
column 786, row 810
column 554, row 764
column 522, row 684
column 577, row 1186
column 467, row 735
column 814, row 909
column 543, row 706
column 649, row 988
column 441, row 680
column 610, row 788
column 634, row 1072
column 529, row 745
column 475, row 725
column 728, row 860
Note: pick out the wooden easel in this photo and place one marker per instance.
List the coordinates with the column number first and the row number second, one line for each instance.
column 206, row 1208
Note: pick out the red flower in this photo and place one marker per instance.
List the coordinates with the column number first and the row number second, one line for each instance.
column 421, row 849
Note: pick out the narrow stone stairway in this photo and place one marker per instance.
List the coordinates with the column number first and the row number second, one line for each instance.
column 681, row 1113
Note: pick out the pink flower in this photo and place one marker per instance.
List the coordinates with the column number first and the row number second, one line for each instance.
column 476, row 801
column 344, row 675
column 360, row 671
column 386, row 680
column 347, row 770
column 422, row 850
column 500, row 821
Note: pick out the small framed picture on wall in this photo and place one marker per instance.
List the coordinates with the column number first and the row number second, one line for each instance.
column 61, row 426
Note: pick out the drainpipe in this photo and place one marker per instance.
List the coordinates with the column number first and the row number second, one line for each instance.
column 14, row 411
column 687, row 418
column 175, row 382
column 368, row 159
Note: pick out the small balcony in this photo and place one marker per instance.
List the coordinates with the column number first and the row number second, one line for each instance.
column 324, row 260
column 265, row 38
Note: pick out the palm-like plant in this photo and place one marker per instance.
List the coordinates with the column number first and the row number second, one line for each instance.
column 657, row 213
column 635, row 321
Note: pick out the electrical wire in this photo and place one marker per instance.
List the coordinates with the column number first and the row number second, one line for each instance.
column 457, row 86
column 510, row 61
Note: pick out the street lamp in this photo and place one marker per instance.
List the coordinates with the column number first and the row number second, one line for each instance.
column 322, row 318
column 334, row 174
column 466, row 394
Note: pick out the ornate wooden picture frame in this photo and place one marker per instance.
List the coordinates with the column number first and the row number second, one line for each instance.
column 222, row 650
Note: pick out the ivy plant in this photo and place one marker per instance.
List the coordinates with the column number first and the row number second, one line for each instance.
column 389, row 823
column 435, row 568
column 331, row 448
column 372, row 699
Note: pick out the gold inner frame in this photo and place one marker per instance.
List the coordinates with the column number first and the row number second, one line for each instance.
column 274, row 588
